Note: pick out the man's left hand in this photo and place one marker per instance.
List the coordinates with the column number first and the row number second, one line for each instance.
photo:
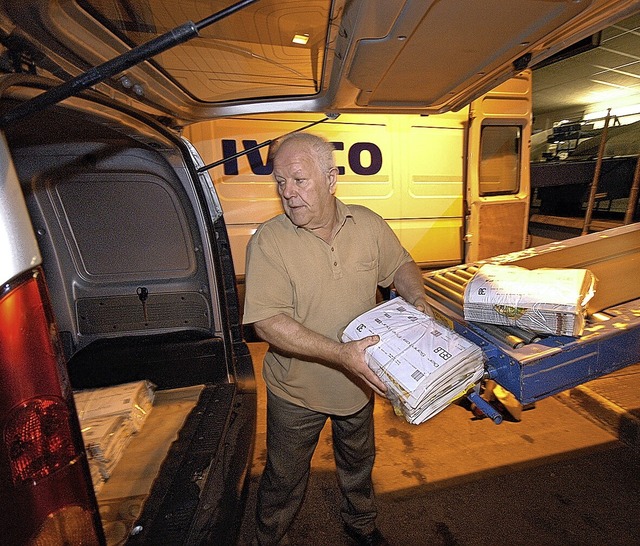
column 421, row 304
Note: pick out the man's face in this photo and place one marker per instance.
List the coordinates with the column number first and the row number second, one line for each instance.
column 306, row 192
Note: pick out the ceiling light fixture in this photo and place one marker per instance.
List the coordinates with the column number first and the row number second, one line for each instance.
column 301, row 39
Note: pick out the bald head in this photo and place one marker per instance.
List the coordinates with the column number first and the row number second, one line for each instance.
column 320, row 150
column 306, row 175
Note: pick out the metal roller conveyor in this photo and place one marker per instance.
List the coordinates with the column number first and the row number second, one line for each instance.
column 532, row 367
column 452, row 283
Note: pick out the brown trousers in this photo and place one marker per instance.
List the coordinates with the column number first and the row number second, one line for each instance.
column 292, row 436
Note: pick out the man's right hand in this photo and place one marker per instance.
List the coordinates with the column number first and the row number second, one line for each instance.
column 287, row 334
column 352, row 357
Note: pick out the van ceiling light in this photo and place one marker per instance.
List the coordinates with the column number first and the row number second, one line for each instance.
column 301, row 39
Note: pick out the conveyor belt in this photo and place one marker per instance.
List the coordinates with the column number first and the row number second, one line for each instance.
column 448, row 287
column 533, row 368
column 613, row 256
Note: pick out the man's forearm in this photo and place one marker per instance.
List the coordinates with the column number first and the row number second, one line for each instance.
column 289, row 336
column 409, row 284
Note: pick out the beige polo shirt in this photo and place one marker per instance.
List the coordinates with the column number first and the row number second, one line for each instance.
column 323, row 286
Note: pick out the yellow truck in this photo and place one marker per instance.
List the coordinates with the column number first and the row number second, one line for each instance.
column 454, row 187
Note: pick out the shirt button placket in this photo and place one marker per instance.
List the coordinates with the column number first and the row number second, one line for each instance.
column 336, row 269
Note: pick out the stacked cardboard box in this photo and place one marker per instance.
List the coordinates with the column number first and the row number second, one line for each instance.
column 424, row 365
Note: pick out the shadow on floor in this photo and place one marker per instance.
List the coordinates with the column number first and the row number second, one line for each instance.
column 587, row 498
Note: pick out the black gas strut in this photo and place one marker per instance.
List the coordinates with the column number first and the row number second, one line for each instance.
column 110, row 68
column 331, row 116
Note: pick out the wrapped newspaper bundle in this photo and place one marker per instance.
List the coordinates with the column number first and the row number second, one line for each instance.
column 424, row 365
column 109, row 417
column 132, row 400
column 105, row 439
column 545, row 301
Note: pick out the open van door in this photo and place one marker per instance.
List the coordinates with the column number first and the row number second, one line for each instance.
column 497, row 192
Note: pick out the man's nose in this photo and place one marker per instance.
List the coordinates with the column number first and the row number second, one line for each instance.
column 288, row 189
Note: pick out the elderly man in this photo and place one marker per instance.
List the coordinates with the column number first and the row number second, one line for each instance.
column 309, row 272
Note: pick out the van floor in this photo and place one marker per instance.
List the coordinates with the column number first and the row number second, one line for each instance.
column 121, row 497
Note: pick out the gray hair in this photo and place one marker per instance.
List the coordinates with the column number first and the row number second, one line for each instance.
column 318, row 148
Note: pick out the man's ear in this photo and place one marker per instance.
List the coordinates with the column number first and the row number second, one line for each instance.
column 332, row 178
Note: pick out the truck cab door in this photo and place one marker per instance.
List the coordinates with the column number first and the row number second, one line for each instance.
column 497, row 189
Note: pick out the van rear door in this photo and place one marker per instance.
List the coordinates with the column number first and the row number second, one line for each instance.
column 497, row 191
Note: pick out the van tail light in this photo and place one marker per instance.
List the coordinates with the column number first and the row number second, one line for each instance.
column 39, row 439
column 46, row 494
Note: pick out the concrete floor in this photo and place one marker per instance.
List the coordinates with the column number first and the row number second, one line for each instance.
column 551, row 469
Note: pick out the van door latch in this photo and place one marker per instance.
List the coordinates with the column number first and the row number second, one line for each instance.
column 143, row 294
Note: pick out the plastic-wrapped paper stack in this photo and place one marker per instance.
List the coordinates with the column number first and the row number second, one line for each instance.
column 133, row 400
column 105, row 439
column 109, row 417
column 424, row 365
column 545, row 301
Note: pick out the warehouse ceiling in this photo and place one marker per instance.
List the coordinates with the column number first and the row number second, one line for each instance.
column 606, row 76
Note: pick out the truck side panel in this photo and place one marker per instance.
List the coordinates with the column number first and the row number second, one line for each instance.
column 407, row 168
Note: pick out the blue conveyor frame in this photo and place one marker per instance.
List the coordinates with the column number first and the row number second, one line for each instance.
column 556, row 363
column 610, row 340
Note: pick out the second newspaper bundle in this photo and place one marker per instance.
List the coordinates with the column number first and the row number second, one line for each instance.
column 424, row 365
column 547, row 301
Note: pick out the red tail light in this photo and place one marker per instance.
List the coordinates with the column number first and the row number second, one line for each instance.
column 46, row 495
column 39, row 439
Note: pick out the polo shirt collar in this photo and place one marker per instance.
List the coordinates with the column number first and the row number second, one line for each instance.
column 344, row 212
